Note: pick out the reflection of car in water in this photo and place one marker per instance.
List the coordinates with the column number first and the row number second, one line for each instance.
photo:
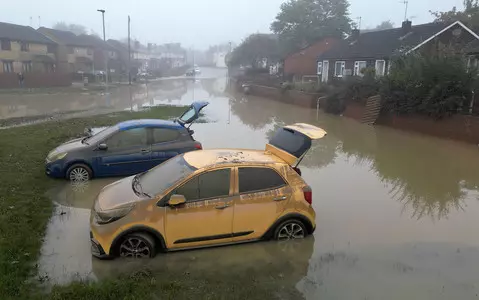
column 289, row 259
column 127, row 148
column 209, row 197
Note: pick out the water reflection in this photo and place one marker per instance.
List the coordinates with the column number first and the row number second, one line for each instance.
column 428, row 176
column 396, row 211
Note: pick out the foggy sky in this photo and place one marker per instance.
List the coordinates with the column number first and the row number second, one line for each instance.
column 196, row 23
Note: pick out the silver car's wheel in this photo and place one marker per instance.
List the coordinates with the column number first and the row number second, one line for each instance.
column 137, row 246
column 79, row 173
column 290, row 230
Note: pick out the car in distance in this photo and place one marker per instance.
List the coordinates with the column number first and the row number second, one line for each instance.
column 208, row 198
column 127, row 148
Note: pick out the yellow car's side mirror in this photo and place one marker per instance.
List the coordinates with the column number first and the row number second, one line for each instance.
column 176, row 200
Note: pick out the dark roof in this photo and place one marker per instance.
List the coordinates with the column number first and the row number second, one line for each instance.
column 383, row 43
column 118, row 45
column 22, row 33
column 64, row 37
column 96, row 42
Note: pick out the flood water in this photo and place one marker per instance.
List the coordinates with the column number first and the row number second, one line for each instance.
column 397, row 212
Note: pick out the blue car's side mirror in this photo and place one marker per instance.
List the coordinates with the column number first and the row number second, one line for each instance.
column 102, row 146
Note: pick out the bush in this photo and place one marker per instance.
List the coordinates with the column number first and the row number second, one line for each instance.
column 432, row 85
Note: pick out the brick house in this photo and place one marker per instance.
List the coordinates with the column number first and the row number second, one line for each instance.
column 303, row 62
column 73, row 53
column 375, row 49
column 103, row 52
column 25, row 50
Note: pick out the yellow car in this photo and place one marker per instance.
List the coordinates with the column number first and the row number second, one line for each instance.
column 209, row 198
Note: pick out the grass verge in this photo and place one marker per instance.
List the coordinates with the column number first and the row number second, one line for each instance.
column 25, row 211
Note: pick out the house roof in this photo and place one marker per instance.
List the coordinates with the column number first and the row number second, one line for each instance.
column 22, row 33
column 323, row 40
column 64, row 37
column 118, row 45
column 96, row 42
column 383, row 43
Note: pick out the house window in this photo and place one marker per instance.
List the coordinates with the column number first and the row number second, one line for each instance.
column 6, row 45
column 358, row 67
column 472, row 63
column 50, row 48
column 320, row 68
column 380, row 67
column 339, row 67
column 89, row 51
column 7, row 66
column 25, row 47
column 27, row 66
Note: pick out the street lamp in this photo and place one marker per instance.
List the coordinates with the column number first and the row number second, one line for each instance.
column 107, row 55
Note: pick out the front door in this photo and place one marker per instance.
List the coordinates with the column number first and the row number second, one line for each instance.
column 325, row 71
column 128, row 153
column 263, row 195
column 207, row 216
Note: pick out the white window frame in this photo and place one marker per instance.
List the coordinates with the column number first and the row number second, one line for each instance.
column 384, row 67
column 343, row 67
column 357, row 69
column 319, row 68
column 7, row 66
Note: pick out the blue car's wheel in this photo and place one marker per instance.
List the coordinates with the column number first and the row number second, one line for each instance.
column 79, row 172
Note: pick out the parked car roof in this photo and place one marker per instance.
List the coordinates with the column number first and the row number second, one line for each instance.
column 148, row 123
column 383, row 43
column 207, row 158
column 22, row 33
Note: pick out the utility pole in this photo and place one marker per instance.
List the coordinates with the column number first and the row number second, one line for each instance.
column 129, row 53
column 107, row 56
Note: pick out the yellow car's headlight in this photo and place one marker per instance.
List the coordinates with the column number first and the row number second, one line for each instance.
column 57, row 156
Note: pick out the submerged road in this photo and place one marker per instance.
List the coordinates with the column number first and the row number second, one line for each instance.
column 397, row 212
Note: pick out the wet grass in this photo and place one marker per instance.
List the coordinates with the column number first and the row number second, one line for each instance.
column 25, row 211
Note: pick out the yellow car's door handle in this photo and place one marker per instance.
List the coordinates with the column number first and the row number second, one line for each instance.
column 280, row 198
column 223, row 206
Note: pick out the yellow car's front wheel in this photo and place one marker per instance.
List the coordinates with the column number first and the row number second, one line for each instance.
column 137, row 245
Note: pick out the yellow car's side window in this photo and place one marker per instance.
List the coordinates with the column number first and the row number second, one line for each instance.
column 209, row 185
column 254, row 179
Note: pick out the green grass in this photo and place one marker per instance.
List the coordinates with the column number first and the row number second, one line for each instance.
column 25, row 211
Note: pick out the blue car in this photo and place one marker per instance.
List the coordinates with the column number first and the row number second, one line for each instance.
column 124, row 149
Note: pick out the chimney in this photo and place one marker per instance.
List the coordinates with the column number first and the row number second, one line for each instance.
column 355, row 33
column 406, row 26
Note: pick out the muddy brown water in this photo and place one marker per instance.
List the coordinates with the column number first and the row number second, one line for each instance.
column 397, row 212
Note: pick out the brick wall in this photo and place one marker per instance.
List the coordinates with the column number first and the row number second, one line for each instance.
column 291, row 96
column 457, row 127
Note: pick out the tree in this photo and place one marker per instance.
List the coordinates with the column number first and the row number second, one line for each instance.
column 303, row 22
column 255, row 49
column 384, row 25
column 468, row 16
column 75, row 28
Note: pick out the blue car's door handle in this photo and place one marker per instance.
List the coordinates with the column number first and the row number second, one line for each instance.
column 145, row 150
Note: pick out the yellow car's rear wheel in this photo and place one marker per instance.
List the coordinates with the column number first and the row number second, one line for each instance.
column 290, row 230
